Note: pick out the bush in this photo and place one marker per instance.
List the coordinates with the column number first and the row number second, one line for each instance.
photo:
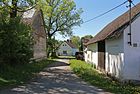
column 15, row 41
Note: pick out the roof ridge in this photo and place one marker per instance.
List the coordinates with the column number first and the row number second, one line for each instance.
column 71, row 44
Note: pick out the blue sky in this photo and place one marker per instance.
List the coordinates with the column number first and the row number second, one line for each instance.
column 93, row 8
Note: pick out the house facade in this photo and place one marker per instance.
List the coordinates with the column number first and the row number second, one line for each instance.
column 34, row 18
column 118, row 48
column 67, row 48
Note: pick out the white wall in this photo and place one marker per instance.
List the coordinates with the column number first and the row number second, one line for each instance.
column 132, row 54
column 114, row 58
column 91, row 55
column 85, row 54
column 65, row 48
column 88, row 56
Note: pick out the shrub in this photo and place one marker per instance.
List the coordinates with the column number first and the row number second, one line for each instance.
column 15, row 41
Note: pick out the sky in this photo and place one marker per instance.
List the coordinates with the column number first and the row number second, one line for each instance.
column 93, row 8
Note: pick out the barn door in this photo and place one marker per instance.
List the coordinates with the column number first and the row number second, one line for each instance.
column 101, row 55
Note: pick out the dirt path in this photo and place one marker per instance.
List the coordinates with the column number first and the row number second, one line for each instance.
column 57, row 78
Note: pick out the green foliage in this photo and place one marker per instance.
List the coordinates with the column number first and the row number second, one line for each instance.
column 76, row 41
column 89, row 74
column 23, row 5
column 52, row 45
column 60, row 16
column 84, row 39
column 87, row 36
column 15, row 41
column 20, row 74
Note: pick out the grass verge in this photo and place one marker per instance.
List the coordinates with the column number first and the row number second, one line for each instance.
column 18, row 74
column 90, row 75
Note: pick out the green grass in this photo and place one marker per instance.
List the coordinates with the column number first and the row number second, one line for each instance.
column 20, row 74
column 90, row 75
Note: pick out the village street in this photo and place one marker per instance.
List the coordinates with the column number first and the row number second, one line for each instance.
column 57, row 78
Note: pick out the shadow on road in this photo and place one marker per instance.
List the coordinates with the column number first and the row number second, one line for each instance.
column 57, row 78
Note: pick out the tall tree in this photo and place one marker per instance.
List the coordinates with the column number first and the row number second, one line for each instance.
column 88, row 36
column 83, row 39
column 15, row 36
column 15, row 6
column 60, row 16
column 76, row 41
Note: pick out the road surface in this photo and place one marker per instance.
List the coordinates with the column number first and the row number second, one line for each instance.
column 57, row 78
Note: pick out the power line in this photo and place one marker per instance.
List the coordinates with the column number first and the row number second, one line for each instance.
column 105, row 12
column 133, row 4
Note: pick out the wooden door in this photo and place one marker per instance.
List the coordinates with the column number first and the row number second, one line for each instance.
column 101, row 55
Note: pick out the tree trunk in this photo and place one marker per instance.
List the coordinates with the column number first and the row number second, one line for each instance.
column 48, row 45
column 13, row 12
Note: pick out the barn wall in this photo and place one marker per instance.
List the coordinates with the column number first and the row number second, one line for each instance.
column 132, row 53
column 114, row 56
column 91, row 55
column 39, row 35
column 40, row 48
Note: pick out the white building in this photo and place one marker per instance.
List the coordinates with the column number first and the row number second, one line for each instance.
column 91, row 54
column 67, row 48
column 116, row 49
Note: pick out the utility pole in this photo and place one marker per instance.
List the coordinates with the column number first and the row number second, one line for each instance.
column 130, row 21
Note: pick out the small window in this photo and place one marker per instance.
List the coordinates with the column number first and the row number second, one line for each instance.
column 64, row 45
column 64, row 52
column 135, row 45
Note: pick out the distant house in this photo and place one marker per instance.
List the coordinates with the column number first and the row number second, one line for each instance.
column 34, row 17
column 116, row 50
column 67, row 48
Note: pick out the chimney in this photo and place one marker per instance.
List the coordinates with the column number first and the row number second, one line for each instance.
column 68, row 40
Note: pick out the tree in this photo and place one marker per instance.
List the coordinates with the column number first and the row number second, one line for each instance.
column 15, row 6
column 15, row 36
column 60, row 16
column 88, row 36
column 15, row 41
column 76, row 41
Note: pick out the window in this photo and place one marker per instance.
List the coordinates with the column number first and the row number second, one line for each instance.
column 65, row 52
column 64, row 45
